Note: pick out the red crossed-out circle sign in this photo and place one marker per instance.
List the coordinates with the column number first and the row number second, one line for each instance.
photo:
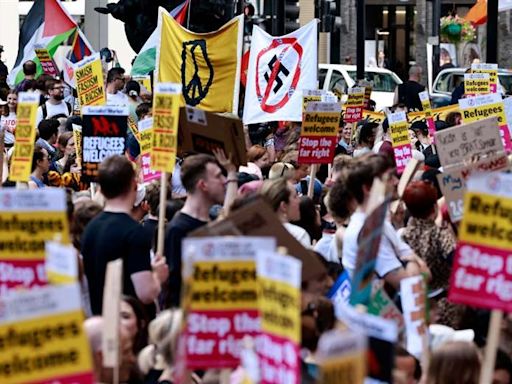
column 263, row 95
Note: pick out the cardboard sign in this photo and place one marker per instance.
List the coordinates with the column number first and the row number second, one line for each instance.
column 61, row 263
column 476, row 84
column 145, row 131
column 413, row 297
column 43, row 340
column 89, row 82
column 381, row 305
column 203, row 132
column 111, row 313
column 278, row 345
column 399, row 132
column 144, row 81
column 103, row 135
column 453, row 181
column 26, row 112
column 221, row 298
column 354, row 105
column 28, row 218
column 483, row 106
column 258, row 219
column 482, row 268
column 319, row 133
column 427, row 109
column 341, row 356
column 491, row 70
column 47, row 64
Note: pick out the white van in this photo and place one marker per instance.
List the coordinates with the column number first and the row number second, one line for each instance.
column 384, row 81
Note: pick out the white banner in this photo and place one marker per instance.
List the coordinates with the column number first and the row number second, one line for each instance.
column 279, row 69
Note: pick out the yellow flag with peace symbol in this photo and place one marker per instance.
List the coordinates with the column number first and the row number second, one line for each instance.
column 207, row 65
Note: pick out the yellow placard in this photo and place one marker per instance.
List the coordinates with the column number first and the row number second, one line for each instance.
column 487, row 220
column 348, row 369
column 89, row 81
column 477, row 86
column 399, row 133
column 134, row 128
column 21, row 161
column 164, row 143
column 77, row 135
column 373, row 117
column 280, row 309
column 311, row 98
column 355, row 99
column 145, row 81
column 320, row 123
column 221, row 285
column 481, row 112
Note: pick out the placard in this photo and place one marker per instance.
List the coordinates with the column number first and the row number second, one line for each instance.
column 482, row 269
column 164, row 144
column 491, row 69
column 413, row 298
column 278, row 345
column 61, row 263
column 476, row 84
column 382, row 305
column 88, row 74
column 77, row 135
column 43, row 340
column 221, row 298
column 21, row 161
column 145, row 131
column 319, row 133
column 354, row 105
column 28, row 218
column 308, row 95
column 399, row 132
column 47, row 63
column 144, row 80
column 103, row 135
column 427, row 109
column 483, row 106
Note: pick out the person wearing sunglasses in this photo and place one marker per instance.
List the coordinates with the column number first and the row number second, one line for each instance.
column 115, row 85
column 55, row 105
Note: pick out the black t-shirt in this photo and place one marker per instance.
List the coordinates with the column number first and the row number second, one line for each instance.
column 177, row 230
column 408, row 94
column 109, row 236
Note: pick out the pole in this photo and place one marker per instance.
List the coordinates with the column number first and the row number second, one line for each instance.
column 493, row 335
column 361, row 23
column 436, row 15
column 492, row 31
column 161, row 214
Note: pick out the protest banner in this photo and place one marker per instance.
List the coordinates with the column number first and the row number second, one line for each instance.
column 77, row 135
column 341, row 356
column 437, row 114
column 311, row 95
column 413, row 298
column 382, row 336
column 381, row 305
column 427, row 109
column 483, row 106
column 258, row 219
column 88, row 74
column 221, row 297
column 103, row 135
column 43, row 340
column 476, row 84
column 21, row 161
column 164, row 145
column 205, row 131
column 399, row 133
column 373, row 117
column 278, row 345
column 145, row 130
column 28, row 218
column 61, row 263
column 47, row 63
column 354, row 105
column 144, row 81
column 111, row 314
column 319, row 133
column 491, row 70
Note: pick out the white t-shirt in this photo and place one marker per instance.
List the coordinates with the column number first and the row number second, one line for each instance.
column 118, row 98
column 390, row 249
column 8, row 123
column 299, row 233
column 52, row 110
column 326, row 246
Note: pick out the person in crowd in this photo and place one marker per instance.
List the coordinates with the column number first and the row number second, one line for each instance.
column 40, row 166
column 29, row 72
column 502, row 368
column 48, row 131
column 66, row 146
column 345, row 139
column 395, row 259
column 453, row 119
column 420, row 131
column 283, row 198
column 132, row 90
column 114, row 233
column 152, row 200
column 281, row 169
column 455, row 362
column 366, row 138
column 8, row 121
column 206, row 186
column 140, row 208
column 382, row 62
column 55, row 105
column 257, row 159
column 407, row 93
column 407, row 367
column 309, row 218
column 115, row 84
column 135, row 320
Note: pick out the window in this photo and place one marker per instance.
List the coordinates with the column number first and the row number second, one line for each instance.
column 322, row 72
column 382, row 82
column 445, row 83
column 337, row 79
column 506, row 83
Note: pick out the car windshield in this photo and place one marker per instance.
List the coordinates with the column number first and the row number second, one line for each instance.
column 506, row 82
column 382, row 82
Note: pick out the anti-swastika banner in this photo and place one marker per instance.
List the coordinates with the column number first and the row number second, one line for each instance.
column 279, row 69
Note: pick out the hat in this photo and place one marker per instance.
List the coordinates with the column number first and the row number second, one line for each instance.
column 141, row 193
column 440, row 334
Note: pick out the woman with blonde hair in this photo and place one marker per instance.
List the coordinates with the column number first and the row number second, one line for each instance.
column 455, row 362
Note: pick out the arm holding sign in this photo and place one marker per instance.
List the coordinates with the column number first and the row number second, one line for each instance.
column 231, row 180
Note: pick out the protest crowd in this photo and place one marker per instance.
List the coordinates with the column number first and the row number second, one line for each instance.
column 147, row 236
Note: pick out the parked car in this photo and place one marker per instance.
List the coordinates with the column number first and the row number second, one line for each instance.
column 448, row 79
column 384, row 81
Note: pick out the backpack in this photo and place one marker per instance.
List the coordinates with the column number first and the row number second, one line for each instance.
column 45, row 110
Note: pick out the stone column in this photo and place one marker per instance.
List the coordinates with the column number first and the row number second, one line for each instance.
column 420, row 35
column 504, row 40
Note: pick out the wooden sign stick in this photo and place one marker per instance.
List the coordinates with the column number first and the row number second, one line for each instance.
column 161, row 214
column 493, row 335
column 312, row 176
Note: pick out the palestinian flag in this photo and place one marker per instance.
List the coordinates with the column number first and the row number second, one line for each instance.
column 146, row 59
column 47, row 24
